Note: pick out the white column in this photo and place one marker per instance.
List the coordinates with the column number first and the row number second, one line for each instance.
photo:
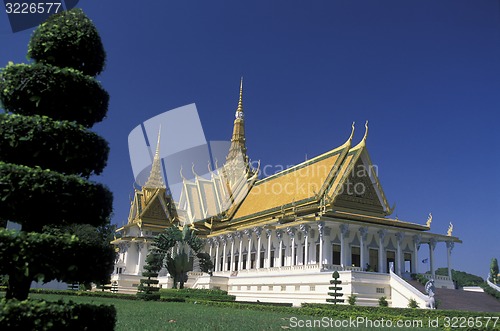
column 363, row 233
column 140, row 258
column 416, row 246
column 258, row 232
column 344, row 229
column 305, row 230
column 224, row 253
column 268, row 236
column 291, row 233
column 449, row 247
column 239, row 235
column 432, row 246
column 321, row 230
column 248, row 233
column 231, row 239
column 210, row 245
column 381, row 250
column 217, row 256
column 279, row 235
column 399, row 238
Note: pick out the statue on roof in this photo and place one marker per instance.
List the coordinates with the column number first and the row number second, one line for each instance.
column 450, row 230
column 429, row 220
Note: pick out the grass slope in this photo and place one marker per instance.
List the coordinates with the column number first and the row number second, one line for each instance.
column 151, row 315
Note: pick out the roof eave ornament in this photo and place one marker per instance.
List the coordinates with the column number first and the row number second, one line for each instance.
column 352, row 132
column 366, row 132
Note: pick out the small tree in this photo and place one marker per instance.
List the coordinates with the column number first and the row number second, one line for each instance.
column 335, row 289
column 148, row 289
column 352, row 300
column 494, row 270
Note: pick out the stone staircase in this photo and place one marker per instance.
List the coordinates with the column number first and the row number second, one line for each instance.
column 462, row 300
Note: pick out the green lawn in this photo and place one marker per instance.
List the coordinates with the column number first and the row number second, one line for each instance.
column 143, row 316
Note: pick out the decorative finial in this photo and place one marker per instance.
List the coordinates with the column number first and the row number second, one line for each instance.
column 352, row 132
column 239, row 110
column 429, row 221
column 193, row 171
column 180, row 172
column 366, row 131
column 450, row 230
column 209, row 166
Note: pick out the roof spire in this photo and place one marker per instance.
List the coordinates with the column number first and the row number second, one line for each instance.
column 238, row 146
column 155, row 179
column 239, row 109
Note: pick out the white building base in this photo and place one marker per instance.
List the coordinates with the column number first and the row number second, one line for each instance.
column 297, row 286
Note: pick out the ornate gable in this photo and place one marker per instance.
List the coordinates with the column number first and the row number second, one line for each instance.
column 358, row 191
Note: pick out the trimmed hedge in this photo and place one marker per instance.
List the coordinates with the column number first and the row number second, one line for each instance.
column 44, row 316
column 61, row 146
column 65, row 199
column 197, row 294
column 60, row 93
column 68, row 39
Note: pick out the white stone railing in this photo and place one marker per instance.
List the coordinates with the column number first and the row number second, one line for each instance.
column 493, row 286
column 315, row 266
column 436, row 277
column 353, row 268
column 332, row 267
column 402, row 292
column 195, row 273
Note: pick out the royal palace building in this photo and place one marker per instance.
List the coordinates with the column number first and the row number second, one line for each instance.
column 280, row 238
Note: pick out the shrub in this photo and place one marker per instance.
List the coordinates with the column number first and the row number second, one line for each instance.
column 412, row 303
column 43, row 315
column 352, row 300
column 382, row 302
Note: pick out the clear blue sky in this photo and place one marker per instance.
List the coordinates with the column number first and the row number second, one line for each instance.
column 425, row 73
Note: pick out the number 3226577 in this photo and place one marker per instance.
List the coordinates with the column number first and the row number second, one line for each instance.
column 32, row 8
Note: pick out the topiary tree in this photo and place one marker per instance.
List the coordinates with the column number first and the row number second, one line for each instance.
column 494, row 270
column 154, row 263
column 47, row 154
column 334, row 290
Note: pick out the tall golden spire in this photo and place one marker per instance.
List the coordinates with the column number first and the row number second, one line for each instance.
column 155, row 179
column 238, row 146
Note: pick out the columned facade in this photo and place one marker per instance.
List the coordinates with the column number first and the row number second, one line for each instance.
column 368, row 248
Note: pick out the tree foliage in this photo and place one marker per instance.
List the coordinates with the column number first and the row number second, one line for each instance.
column 461, row 278
column 179, row 246
column 26, row 191
column 494, row 270
column 69, row 39
column 47, row 154
column 58, row 92
column 47, row 256
column 51, row 145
